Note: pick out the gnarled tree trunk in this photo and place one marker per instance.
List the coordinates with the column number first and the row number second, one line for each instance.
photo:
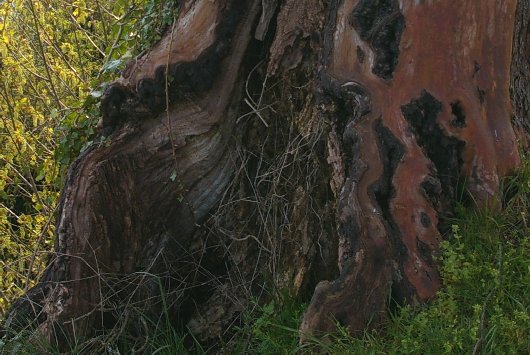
column 276, row 145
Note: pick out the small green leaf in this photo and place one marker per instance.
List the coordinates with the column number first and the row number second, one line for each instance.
column 173, row 175
column 40, row 176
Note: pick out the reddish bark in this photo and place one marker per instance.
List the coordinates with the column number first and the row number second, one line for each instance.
column 435, row 79
column 414, row 100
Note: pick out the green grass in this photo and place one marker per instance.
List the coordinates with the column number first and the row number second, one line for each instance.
column 483, row 307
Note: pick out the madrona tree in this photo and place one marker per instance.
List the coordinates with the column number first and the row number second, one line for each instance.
column 307, row 147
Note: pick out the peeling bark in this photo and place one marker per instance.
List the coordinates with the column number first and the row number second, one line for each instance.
column 390, row 106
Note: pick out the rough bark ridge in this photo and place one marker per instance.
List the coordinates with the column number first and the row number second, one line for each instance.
column 434, row 81
column 132, row 202
column 392, row 105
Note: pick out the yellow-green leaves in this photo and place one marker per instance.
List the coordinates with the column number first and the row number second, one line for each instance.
column 54, row 57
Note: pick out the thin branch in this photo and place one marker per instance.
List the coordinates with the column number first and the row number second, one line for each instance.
column 43, row 55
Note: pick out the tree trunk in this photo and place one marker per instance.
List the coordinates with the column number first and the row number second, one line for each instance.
column 272, row 149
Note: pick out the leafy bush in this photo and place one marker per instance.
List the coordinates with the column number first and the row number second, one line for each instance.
column 54, row 55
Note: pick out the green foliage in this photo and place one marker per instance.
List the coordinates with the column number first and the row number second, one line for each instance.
column 54, row 57
column 270, row 329
column 485, row 265
column 157, row 16
column 484, row 305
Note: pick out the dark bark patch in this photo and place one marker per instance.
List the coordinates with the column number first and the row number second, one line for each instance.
column 481, row 95
column 352, row 100
column 432, row 190
column 360, row 54
column 381, row 24
column 182, row 79
column 114, row 105
column 425, row 251
column 198, row 76
column 391, row 150
column 425, row 220
column 444, row 151
column 459, row 115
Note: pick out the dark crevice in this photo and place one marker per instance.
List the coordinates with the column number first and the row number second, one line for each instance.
column 350, row 101
column 432, row 190
column 425, row 220
column 481, row 94
column 476, row 69
column 353, row 164
column 445, row 152
column 391, row 151
column 329, row 30
column 381, row 24
column 360, row 54
column 459, row 117
column 345, row 104
column 425, row 252
column 354, row 168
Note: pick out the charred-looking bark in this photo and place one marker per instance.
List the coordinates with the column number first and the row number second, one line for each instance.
column 375, row 111
column 391, row 151
column 380, row 23
column 443, row 151
column 443, row 117
column 146, row 95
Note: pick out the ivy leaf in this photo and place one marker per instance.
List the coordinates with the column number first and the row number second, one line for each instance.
column 112, row 65
column 173, row 175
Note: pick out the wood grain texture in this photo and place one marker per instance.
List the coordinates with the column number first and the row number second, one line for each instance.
column 132, row 201
column 434, row 77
